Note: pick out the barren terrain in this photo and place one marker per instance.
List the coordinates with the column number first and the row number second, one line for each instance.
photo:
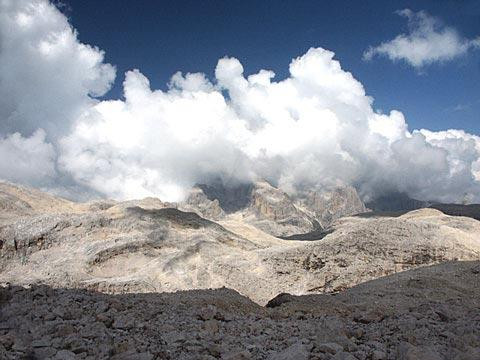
column 106, row 278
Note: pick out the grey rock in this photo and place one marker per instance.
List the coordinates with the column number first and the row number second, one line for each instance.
column 378, row 355
column 41, row 343
column 237, row 355
column 343, row 356
column 331, row 348
column 45, row 352
column 65, row 355
column 123, row 322
column 297, row 351
column 407, row 351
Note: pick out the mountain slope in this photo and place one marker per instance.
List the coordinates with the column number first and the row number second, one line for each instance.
column 147, row 246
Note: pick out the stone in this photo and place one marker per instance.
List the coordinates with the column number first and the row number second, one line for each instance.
column 237, row 355
column 407, row 351
column 297, row 351
column 343, row 356
column 45, row 342
column 211, row 326
column 378, row 355
column 214, row 350
column 65, row 329
column 331, row 348
column 133, row 356
column 7, row 340
column 44, row 352
column 19, row 345
column 123, row 322
column 65, row 355
column 105, row 319
column 371, row 316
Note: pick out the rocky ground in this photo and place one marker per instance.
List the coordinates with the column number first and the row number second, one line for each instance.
column 428, row 313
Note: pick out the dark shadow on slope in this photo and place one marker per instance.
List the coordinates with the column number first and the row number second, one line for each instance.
column 471, row 211
column 394, row 202
column 446, row 282
column 181, row 218
column 230, row 198
column 377, row 214
column 318, row 234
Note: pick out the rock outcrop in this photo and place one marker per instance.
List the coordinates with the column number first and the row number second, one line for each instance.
column 271, row 209
column 328, row 205
column 196, row 201
column 275, row 213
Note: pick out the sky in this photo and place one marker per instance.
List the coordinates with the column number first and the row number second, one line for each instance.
column 128, row 99
column 162, row 37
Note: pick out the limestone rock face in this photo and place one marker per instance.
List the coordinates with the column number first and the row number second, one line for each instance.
column 231, row 198
column 259, row 204
column 274, row 212
column 197, row 201
column 330, row 204
column 271, row 203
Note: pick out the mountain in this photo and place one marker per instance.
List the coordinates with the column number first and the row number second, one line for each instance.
column 401, row 203
column 330, row 204
column 272, row 210
column 394, row 202
column 16, row 201
column 197, row 201
column 148, row 246
column 471, row 210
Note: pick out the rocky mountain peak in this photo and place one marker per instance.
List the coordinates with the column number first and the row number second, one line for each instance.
column 197, row 201
column 273, row 210
column 329, row 204
column 231, row 198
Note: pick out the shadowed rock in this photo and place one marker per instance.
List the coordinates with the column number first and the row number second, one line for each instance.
column 426, row 313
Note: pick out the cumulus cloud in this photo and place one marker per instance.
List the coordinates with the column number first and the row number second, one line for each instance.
column 27, row 160
column 428, row 41
column 313, row 129
column 47, row 76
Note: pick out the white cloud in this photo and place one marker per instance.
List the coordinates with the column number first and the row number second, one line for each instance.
column 315, row 128
column 427, row 42
column 47, row 76
column 27, row 160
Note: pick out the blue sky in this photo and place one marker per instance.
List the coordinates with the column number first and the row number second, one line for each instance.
column 162, row 37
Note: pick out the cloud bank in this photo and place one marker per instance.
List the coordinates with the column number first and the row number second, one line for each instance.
column 427, row 42
column 313, row 129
